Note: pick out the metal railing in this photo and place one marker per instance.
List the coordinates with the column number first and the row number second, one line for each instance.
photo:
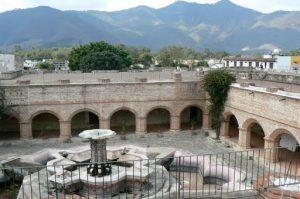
column 266, row 171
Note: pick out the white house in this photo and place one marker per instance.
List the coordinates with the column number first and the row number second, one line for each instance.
column 30, row 64
column 283, row 63
column 258, row 63
column 7, row 63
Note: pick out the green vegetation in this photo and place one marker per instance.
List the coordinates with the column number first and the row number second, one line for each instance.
column 104, row 56
column 140, row 55
column 217, row 84
column 98, row 56
column 57, row 54
column 46, row 66
column 295, row 52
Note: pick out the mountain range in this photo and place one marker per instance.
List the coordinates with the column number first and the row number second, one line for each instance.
column 220, row 26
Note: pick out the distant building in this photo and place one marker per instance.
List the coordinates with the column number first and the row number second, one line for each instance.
column 7, row 63
column 64, row 65
column 30, row 64
column 287, row 63
column 258, row 63
column 215, row 63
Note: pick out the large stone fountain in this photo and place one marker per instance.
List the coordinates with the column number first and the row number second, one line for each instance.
column 129, row 171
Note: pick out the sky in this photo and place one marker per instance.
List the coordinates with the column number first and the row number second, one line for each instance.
column 265, row 6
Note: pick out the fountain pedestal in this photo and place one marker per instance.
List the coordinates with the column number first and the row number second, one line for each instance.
column 98, row 139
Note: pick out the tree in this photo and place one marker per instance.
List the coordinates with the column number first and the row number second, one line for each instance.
column 104, row 60
column 217, row 84
column 140, row 55
column 45, row 66
column 87, row 52
column 173, row 55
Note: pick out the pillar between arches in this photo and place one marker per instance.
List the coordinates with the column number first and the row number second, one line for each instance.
column 244, row 138
column 141, row 125
column 224, row 129
column 65, row 129
column 206, row 121
column 175, row 123
column 271, row 147
column 25, row 130
column 104, row 123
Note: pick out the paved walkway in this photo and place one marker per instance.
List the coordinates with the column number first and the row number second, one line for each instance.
column 184, row 140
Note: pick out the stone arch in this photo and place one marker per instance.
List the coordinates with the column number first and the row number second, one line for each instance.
column 191, row 117
column 288, row 146
column 9, row 127
column 255, row 133
column 230, row 126
column 83, row 110
column 45, row 111
column 45, row 124
column 123, row 120
column 158, row 119
column 276, row 134
column 83, row 119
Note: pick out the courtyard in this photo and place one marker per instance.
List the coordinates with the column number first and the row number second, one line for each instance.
column 195, row 142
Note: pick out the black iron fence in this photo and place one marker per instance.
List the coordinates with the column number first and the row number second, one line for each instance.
column 267, row 172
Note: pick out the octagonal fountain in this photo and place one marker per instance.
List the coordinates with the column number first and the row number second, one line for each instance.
column 98, row 171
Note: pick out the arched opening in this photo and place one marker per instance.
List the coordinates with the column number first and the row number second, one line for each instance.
column 83, row 121
column 191, row 118
column 158, row 120
column 257, row 136
column 233, row 129
column 45, row 125
column 123, row 121
column 289, row 146
column 9, row 128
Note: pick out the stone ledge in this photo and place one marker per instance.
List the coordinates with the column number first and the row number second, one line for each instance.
column 105, row 81
column 23, row 82
column 246, row 84
column 64, row 81
column 141, row 79
column 274, row 89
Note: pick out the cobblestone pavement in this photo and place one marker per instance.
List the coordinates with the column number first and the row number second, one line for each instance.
column 196, row 142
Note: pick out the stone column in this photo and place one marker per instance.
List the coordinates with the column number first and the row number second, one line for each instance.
column 98, row 151
column 25, row 130
column 175, row 123
column 271, row 148
column 104, row 123
column 141, row 125
column 224, row 129
column 65, row 129
column 206, row 121
column 244, row 138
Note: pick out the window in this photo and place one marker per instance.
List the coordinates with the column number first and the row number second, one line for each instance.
column 257, row 64
column 250, row 63
column 271, row 65
column 241, row 64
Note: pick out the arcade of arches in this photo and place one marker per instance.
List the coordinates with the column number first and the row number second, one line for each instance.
column 49, row 124
column 247, row 133
column 253, row 136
